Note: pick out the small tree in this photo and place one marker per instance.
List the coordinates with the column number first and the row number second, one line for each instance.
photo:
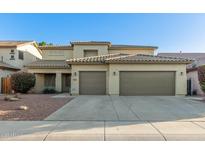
column 22, row 82
column 201, row 76
column 43, row 43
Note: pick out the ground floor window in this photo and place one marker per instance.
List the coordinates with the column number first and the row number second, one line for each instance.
column 49, row 80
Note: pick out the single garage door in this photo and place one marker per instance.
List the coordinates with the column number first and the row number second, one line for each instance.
column 147, row 83
column 92, row 83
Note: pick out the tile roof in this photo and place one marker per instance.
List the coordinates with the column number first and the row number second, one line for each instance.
column 184, row 55
column 141, row 58
column 13, row 43
column 10, row 43
column 8, row 66
column 90, row 42
column 125, row 58
column 112, row 47
column 94, row 59
column 198, row 58
column 48, row 64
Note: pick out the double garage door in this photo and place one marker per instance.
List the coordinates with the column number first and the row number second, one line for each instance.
column 131, row 83
column 147, row 83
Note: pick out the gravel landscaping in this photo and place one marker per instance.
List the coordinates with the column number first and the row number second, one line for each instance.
column 39, row 106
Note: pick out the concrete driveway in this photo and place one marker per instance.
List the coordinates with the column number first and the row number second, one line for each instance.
column 105, row 118
column 131, row 108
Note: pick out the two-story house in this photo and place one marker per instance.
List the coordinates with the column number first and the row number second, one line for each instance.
column 14, row 55
column 99, row 68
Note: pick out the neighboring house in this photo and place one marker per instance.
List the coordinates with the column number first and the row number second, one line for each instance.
column 99, row 68
column 6, row 70
column 192, row 69
column 15, row 55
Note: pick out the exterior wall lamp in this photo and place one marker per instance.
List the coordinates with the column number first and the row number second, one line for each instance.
column 114, row 73
column 75, row 74
column 181, row 73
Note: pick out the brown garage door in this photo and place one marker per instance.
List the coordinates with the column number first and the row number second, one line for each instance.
column 147, row 83
column 92, row 83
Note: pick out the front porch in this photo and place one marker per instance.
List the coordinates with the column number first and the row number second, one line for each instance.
column 60, row 82
column 51, row 74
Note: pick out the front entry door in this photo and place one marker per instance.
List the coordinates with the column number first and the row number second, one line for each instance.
column 66, row 79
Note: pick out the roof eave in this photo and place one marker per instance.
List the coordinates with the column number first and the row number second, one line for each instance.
column 126, row 62
column 56, row 47
column 6, row 46
column 86, row 63
column 25, row 43
column 90, row 43
column 147, row 62
column 9, row 68
column 47, row 67
column 37, row 47
column 132, row 48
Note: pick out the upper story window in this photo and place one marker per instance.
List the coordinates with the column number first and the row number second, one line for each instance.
column 12, row 57
column 21, row 55
column 90, row 53
column 12, row 51
column 12, row 54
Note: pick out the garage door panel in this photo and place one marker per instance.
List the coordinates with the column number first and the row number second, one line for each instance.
column 147, row 83
column 92, row 83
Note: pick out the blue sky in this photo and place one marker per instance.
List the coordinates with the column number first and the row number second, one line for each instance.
column 170, row 32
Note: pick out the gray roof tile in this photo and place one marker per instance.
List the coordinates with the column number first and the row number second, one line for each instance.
column 8, row 66
column 115, row 46
column 125, row 58
column 13, row 43
column 48, row 64
column 198, row 58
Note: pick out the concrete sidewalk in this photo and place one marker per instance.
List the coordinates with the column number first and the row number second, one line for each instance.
column 101, row 130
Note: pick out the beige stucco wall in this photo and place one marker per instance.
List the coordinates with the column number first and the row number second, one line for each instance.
column 57, row 54
column 180, row 83
column 29, row 48
column 78, row 50
column 136, row 51
column 75, row 79
column 39, row 86
column 30, row 55
column 193, row 75
column 112, row 81
column 5, row 52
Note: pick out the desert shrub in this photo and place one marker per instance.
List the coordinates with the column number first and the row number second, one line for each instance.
column 201, row 76
column 194, row 92
column 49, row 91
column 22, row 82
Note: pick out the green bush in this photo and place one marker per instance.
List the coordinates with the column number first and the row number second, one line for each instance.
column 49, row 91
column 201, row 77
column 22, row 82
